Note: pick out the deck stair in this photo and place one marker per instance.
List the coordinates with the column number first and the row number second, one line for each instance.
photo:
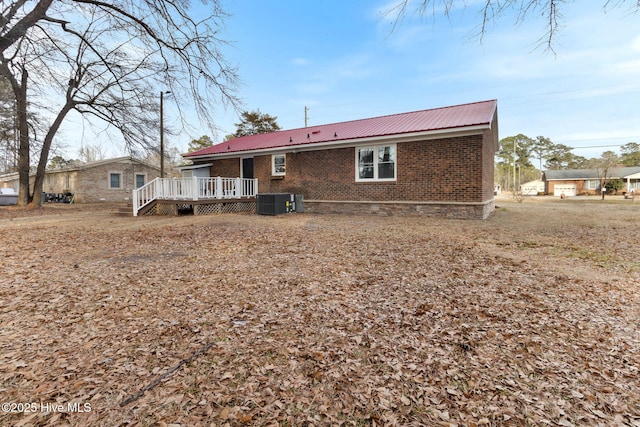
column 123, row 209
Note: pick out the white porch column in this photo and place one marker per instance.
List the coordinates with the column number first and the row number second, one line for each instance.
column 219, row 189
column 195, row 188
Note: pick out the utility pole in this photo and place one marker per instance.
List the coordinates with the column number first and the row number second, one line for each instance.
column 514, row 165
column 162, row 133
column 306, row 119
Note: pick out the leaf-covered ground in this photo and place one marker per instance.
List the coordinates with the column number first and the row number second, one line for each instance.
column 529, row 318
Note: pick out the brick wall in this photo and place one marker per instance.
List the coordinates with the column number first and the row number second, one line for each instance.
column 489, row 147
column 229, row 168
column 93, row 183
column 60, row 182
column 450, row 177
column 449, row 170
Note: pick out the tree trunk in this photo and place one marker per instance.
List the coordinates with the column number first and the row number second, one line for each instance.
column 24, row 158
column 20, row 95
column 44, row 153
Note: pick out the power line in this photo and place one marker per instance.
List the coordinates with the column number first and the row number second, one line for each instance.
column 598, row 146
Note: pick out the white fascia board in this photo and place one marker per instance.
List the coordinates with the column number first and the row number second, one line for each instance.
column 198, row 166
column 356, row 142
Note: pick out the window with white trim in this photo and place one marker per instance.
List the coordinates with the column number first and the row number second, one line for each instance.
column 592, row 184
column 141, row 180
column 115, row 180
column 376, row 163
column 278, row 164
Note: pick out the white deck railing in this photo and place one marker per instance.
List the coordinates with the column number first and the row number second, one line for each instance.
column 193, row 189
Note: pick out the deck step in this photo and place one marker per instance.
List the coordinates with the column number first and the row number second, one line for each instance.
column 124, row 210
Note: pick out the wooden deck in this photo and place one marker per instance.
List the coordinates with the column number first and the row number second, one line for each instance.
column 198, row 207
column 202, row 196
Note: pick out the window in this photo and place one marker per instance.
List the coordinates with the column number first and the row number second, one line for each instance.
column 140, row 180
column 376, row 163
column 279, row 164
column 592, row 184
column 115, row 180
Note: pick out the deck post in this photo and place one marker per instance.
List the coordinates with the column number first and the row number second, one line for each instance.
column 219, row 189
column 195, row 188
column 173, row 188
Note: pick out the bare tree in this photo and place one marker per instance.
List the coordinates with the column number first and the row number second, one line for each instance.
column 109, row 60
column 603, row 165
column 8, row 131
column 492, row 10
column 92, row 153
column 19, row 88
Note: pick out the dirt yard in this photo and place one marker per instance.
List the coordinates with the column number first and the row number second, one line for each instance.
column 529, row 318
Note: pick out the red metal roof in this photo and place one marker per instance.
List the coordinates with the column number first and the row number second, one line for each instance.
column 438, row 119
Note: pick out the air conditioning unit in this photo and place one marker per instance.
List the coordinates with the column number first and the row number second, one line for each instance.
column 273, row 203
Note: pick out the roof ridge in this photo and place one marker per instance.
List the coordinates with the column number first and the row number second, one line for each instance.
column 389, row 115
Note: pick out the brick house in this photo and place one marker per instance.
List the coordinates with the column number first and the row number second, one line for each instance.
column 437, row 162
column 110, row 180
column 575, row 182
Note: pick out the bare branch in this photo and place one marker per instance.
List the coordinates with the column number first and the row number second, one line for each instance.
column 492, row 10
column 19, row 30
column 107, row 59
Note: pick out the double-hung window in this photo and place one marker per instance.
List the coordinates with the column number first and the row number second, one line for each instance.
column 115, row 180
column 140, row 180
column 279, row 164
column 376, row 163
column 592, row 184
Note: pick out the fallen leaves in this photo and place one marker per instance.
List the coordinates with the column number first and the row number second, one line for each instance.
column 318, row 321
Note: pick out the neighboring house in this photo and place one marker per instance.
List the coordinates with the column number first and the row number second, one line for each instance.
column 573, row 182
column 532, row 188
column 432, row 162
column 110, row 180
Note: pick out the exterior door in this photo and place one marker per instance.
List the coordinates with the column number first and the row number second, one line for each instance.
column 247, row 168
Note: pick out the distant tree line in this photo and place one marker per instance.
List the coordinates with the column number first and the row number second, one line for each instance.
column 528, row 157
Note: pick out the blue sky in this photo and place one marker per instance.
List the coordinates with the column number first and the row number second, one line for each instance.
column 340, row 59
